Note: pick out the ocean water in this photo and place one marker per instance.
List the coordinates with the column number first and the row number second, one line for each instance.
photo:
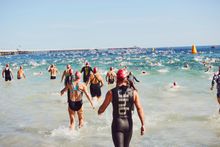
column 32, row 112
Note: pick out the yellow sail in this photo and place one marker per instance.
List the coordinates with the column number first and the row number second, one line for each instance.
column 194, row 51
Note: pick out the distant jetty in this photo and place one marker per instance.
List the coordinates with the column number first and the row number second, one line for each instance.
column 13, row 52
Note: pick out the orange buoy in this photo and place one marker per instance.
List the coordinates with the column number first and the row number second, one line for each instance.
column 194, row 51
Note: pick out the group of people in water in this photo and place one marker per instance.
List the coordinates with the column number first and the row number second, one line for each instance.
column 123, row 95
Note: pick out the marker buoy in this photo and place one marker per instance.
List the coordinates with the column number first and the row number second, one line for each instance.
column 194, row 51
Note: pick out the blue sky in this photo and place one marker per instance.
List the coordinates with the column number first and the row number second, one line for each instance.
column 67, row 24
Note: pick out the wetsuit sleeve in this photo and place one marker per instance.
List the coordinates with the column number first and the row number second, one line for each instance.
column 136, row 79
column 82, row 70
column 106, row 102
column 213, row 80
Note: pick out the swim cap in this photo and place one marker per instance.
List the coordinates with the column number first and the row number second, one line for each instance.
column 95, row 69
column 68, row 66
column 77, row 75
column 121, row 74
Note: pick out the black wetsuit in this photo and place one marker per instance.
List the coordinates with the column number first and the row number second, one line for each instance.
column 122, row 124
column 7, row 75
column 216, row 78
column 86, row 73
column 131, row 79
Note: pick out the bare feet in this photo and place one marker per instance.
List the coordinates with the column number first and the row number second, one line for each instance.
column 81, row 124
column 71, row 127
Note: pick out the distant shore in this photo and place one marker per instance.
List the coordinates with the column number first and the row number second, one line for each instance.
column 15, row 52
column 4, row 53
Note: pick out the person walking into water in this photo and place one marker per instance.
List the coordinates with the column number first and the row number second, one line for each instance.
column 131, row 80
column 53, row 71
column 75, row 102
column 110, row 76
column 216, row 78
column 96, row 82
column 7, row 73
column 67, row 74
column 86, row 70
column 123, row 98
column 20, row 73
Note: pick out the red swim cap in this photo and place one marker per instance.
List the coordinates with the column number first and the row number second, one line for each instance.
column 77, row 75
column 121, row 74
column 95, row 69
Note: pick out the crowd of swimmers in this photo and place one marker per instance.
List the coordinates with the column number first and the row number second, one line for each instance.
column 123, row 95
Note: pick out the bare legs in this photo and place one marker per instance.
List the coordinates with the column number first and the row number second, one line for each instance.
column 80, row 117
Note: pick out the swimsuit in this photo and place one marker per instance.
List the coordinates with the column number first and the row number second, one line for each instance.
column 95, row 89
column 75, row 105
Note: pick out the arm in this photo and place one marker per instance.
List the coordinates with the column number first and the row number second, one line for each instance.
column 88, row 80
column 102, row 82
column 3, row 72
column 11, row 74
column 136, row 79
column 106, row 77
column 139, row 111
column 88, row 96
column 106, row 102
column 63, row 76
column 82, row 70
column 64, row 89
column 213, row 82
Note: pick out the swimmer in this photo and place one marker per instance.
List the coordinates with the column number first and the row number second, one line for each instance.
column 110, row 76
column 86, row 70
column 75, row 102
column 68, row 78
column 131, row 80
column 174, row 85
column 123, row 99
column 53, row 71
column 216, row 78
column 20, row 73
column 7, row 73
column 96, row 82
column 38, row 73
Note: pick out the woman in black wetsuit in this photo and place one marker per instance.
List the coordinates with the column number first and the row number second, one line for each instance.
column 123, row 98
column 75, row 102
